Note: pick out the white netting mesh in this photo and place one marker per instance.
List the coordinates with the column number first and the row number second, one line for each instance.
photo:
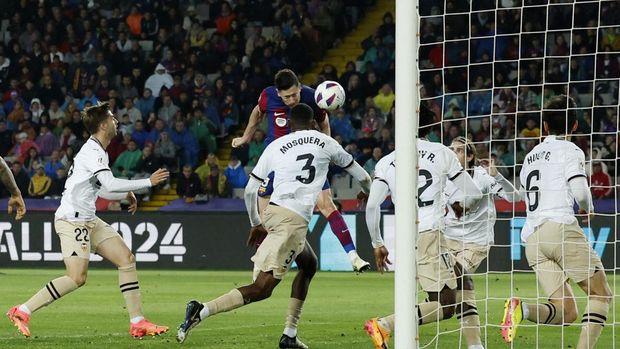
column 487, row 67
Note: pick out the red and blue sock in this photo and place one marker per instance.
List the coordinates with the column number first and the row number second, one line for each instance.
column 340, row 229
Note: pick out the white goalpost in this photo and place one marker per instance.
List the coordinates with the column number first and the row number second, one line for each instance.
column 405, row 285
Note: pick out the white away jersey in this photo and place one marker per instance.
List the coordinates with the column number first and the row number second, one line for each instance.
column 82, row 186
column 437, row 163
column 476, row 226
column 385, row 171
column 545, row 174
column 300, row 161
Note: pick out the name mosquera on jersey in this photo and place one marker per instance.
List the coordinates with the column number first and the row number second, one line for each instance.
column 302, row 141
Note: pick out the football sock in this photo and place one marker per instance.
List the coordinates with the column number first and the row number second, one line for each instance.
column 229, row 301
column 429, row 312
column 340, row 229
column 545, row 313
column 387, row 323
column 470, row 320
column 128, row 283
column 51, row 292
column 292, row 317
column 592, row 323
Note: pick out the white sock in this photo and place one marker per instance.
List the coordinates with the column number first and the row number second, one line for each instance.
column 475, row 346
column 525, row 310
column 352, row 255
column 204, row 313
column 291, row 332
column 25, row 309
column 135, row 320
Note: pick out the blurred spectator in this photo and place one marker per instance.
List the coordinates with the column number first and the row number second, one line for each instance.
column 125, row 126
column 159, row 79
column 203, row 130
column 341, row 125
column 139, row 134
column 204, row 170
column 167, row 111
column 46, row 141
column 127, row 162
column 166, row 151
column 129, row 109
column 186, row 144
column 21, row 177
column 58, row 183
column 531, row 129
column 370, row 164
column 67, row 138
column 601, row 183
column 257, row 146
column 40, row 183
column 53, row 164
column 188, row 184
column 146, row 103
column 385, row 98
column 32, row 161
column 6, row 139
column 236, row 177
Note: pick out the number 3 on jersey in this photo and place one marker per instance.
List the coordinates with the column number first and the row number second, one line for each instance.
column 307, row 167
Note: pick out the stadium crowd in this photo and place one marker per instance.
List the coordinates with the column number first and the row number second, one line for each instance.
column 491, row 78
column 182, row 76
column 179, row 77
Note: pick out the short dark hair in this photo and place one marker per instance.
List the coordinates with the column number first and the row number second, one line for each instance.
column 285, row 79
column 556, row 113
column 302, row 114
column 94, row 116
column 426, row 120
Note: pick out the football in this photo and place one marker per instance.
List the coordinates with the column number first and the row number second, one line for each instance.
column 329, row 95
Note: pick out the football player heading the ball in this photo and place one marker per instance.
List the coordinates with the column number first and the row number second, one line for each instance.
column 275, row 103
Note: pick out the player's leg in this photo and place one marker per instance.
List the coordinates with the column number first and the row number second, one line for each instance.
column 339, row 227
column 584, row 266
column 436, row 276
column 597, row 308
column 307, row 263
column 112, row 247
column 467, row 312
column 75, row 249
column 283, row 243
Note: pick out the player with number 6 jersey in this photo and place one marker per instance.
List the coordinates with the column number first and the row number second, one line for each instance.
column 553, row 178
column 300, row 161
column 82, row 232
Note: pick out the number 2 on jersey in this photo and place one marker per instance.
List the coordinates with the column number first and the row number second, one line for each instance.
column 428, row 181
column 307, row 167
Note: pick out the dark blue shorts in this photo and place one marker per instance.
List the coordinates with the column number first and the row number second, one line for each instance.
column 266, row 189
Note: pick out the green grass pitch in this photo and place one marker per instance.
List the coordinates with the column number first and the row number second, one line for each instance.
column 333, row 317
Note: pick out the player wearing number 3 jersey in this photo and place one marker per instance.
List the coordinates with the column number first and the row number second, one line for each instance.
column 275, row 103
column 81, row 232
column 553, row 177
column 300, row 161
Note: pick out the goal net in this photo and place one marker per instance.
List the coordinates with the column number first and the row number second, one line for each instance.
column 486, row 69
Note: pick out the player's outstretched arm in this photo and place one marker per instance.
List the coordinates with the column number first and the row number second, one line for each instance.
column 355, row 170
column 115, row 185
column 509, row 193
column 15, row 201
column 378, row 191
column 256, row 117
column 324, row 125
column 130, row 196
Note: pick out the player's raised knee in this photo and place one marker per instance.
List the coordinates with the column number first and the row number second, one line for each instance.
column 79, row 279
